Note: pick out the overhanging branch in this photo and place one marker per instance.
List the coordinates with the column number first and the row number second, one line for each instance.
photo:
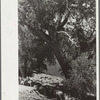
column 69, row 37
column 64, row 21
column 66, row 16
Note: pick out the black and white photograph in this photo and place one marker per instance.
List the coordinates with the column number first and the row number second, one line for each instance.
column 57, row 49
column 56, row 57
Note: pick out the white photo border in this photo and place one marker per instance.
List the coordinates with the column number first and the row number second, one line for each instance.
column 9, row 49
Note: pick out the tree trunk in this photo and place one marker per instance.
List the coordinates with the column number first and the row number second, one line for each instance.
column 56, row 49
column 61, row 59
column 59, row 55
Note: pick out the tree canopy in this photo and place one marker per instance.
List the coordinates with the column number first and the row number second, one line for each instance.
column 59, row 29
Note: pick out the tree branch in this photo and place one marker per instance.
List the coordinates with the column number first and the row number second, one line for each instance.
column 69, row 37
column 39, row 33
column 66, row 14
column 64, row 21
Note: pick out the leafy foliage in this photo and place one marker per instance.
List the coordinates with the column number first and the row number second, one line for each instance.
column 60, row 29
column 83, row 76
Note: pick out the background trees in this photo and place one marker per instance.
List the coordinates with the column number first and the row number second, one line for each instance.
column 59, row 29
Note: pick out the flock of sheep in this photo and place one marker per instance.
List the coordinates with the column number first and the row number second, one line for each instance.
column 49, row 86
column 41, row 79
column 46, row 85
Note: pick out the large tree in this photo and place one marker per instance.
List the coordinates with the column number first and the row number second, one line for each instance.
column 64, row 30
column 67, row 27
